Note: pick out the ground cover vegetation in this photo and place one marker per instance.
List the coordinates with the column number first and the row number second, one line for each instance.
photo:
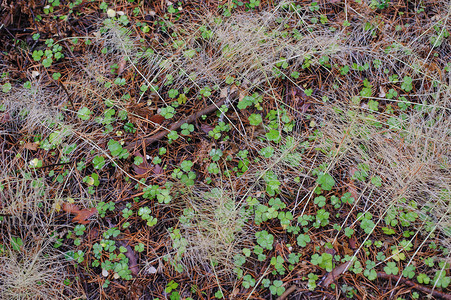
column 225, row 149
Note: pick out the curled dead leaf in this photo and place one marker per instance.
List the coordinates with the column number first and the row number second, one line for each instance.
column 351, row 185
column 353, row 243
column 132, row 259
column 121, row 66
column 335, row 274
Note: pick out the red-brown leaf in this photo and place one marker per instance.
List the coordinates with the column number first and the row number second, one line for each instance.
column 81, row 215
column 158, row 170
column 206, row 128
column 121, row 66
column 158, row 119
column 5, row 118
column 132, row 259
column 143, row 168
column 351, row 186
column 31, row 146
column 353, row 243
column 335, row 274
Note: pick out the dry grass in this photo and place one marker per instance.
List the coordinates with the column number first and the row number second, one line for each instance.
column 32, row 110
column 408, row 150
column 243, row 46
column 213, row 230
column 34, row 270
column 413, row 162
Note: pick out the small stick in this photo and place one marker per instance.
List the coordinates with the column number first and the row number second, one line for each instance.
column 414, row 285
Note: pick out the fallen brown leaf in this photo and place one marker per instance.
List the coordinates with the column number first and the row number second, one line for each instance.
column 31, row 146
column 143, row 168
column 121, row 66
column 335, row 274
column 158, row 170
column 5, row 118
column 132, row 259
column 206, row 128
column 81, row 215
column 157, row 119
column 351, row 185
column 191, row 119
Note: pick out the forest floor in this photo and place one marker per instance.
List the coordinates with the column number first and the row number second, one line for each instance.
column 225, row 149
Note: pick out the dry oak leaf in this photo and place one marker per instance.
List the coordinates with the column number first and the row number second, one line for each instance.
column 31, row 146
column 81, row 215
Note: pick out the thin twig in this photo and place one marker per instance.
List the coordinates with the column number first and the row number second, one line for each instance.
column 414, row 285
